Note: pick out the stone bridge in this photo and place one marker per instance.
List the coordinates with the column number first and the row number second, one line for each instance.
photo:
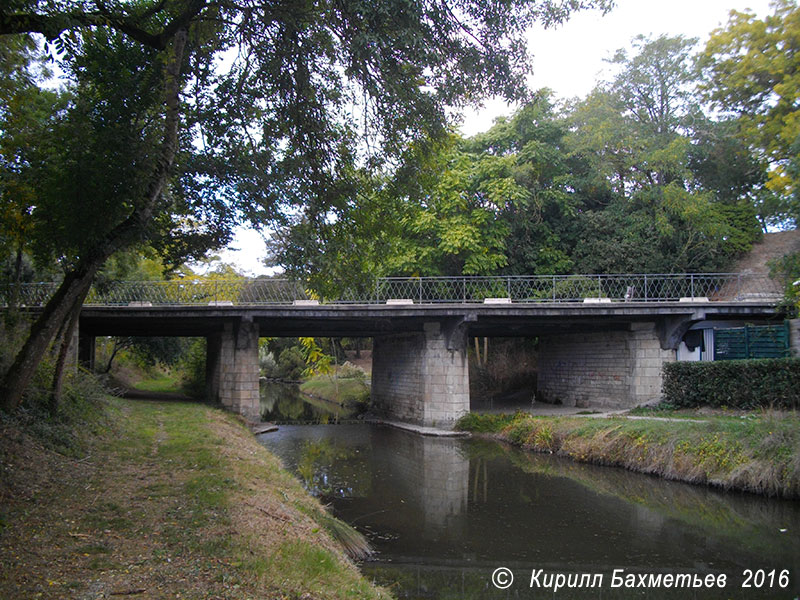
column 602, row 338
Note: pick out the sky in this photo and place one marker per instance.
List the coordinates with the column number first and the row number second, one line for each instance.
column 569, row 60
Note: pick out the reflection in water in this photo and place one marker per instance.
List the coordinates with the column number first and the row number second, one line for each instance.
column 444, row 513
column 285, row 403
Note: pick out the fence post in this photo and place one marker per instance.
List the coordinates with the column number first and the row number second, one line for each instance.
column 691, row 279
column 554, row 288
column 420, row 290
column 599, row 287
column 463, row 290
column 645, row 287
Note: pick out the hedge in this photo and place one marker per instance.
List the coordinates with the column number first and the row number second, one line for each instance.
column 747, row 384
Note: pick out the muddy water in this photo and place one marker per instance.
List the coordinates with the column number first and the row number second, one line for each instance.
column 443, row 514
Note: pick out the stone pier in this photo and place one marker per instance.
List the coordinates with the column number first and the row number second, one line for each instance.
column 232, row 367
column 422, row 378
column 614, row 369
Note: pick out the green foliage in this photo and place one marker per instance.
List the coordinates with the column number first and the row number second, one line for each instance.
column 291, row 364
column 635, row 178
column 787, row 270
column 193, row 367
column 349, row 392
column 743, row 384
column 317, row 362
column 486, row 423
column 81, row 413
column 750, row 68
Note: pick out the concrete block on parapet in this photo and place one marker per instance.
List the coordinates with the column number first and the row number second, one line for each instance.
column 694, row 299
column 597, row 300
column 497, row 300
column 305, row 303
column 396, row 301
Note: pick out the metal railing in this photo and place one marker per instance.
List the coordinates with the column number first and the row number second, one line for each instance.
column 578, row 288
column 730, row 287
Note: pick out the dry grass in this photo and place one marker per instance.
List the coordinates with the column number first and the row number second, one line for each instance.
column 179, row 502
column 758, row 452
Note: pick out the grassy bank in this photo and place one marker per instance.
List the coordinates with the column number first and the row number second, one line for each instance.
column 175, row 500
column 757, row 452
column 346, row 392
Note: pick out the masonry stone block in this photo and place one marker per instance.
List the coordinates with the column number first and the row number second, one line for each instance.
column 416, row 378
column 617, row 369
column 232, row 367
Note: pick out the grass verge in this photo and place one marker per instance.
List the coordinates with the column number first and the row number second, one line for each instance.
column 177, row 500
column 757, row 452
column 346, row 392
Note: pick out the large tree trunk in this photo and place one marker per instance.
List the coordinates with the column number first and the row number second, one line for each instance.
column 77, row 282
column 66, row 344
column 72, row 291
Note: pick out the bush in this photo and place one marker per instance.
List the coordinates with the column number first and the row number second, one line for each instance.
column 193, row 365
column 67, row 427
column 745, row 384
column 291, row 364
column 350, row 371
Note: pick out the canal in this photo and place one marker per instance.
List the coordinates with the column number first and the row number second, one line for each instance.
column 443, row 514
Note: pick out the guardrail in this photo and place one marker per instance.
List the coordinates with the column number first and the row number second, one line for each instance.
column 732, row 287
column 578, row 288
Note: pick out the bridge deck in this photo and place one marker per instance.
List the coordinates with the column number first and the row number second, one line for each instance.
column 374, row 319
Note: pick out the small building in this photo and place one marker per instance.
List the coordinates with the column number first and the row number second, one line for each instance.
column 735, row 340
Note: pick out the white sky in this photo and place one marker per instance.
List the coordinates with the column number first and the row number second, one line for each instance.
column 568, row 60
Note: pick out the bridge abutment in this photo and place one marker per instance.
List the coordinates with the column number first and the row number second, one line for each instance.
column 422, row 378
column 615, row 369
column 232, row 367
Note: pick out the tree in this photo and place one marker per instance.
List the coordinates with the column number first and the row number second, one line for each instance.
column 647, row 148
column 540, row 183
column 25, row 115
column 751, row 68
column 271, row 134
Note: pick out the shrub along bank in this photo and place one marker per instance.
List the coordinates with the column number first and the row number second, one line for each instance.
column 757, row 453
column 746, row 384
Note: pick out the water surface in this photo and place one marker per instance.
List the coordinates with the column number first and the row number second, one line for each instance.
column 442, row 514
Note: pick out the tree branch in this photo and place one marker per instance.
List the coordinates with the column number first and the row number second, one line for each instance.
column 53, row 25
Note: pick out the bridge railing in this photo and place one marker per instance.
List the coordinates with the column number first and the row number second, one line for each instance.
column 578, row 288
column 176, row 292
column 731, row 287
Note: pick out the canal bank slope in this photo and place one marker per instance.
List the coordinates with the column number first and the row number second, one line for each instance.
column 757, row 452
column 173, row 500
